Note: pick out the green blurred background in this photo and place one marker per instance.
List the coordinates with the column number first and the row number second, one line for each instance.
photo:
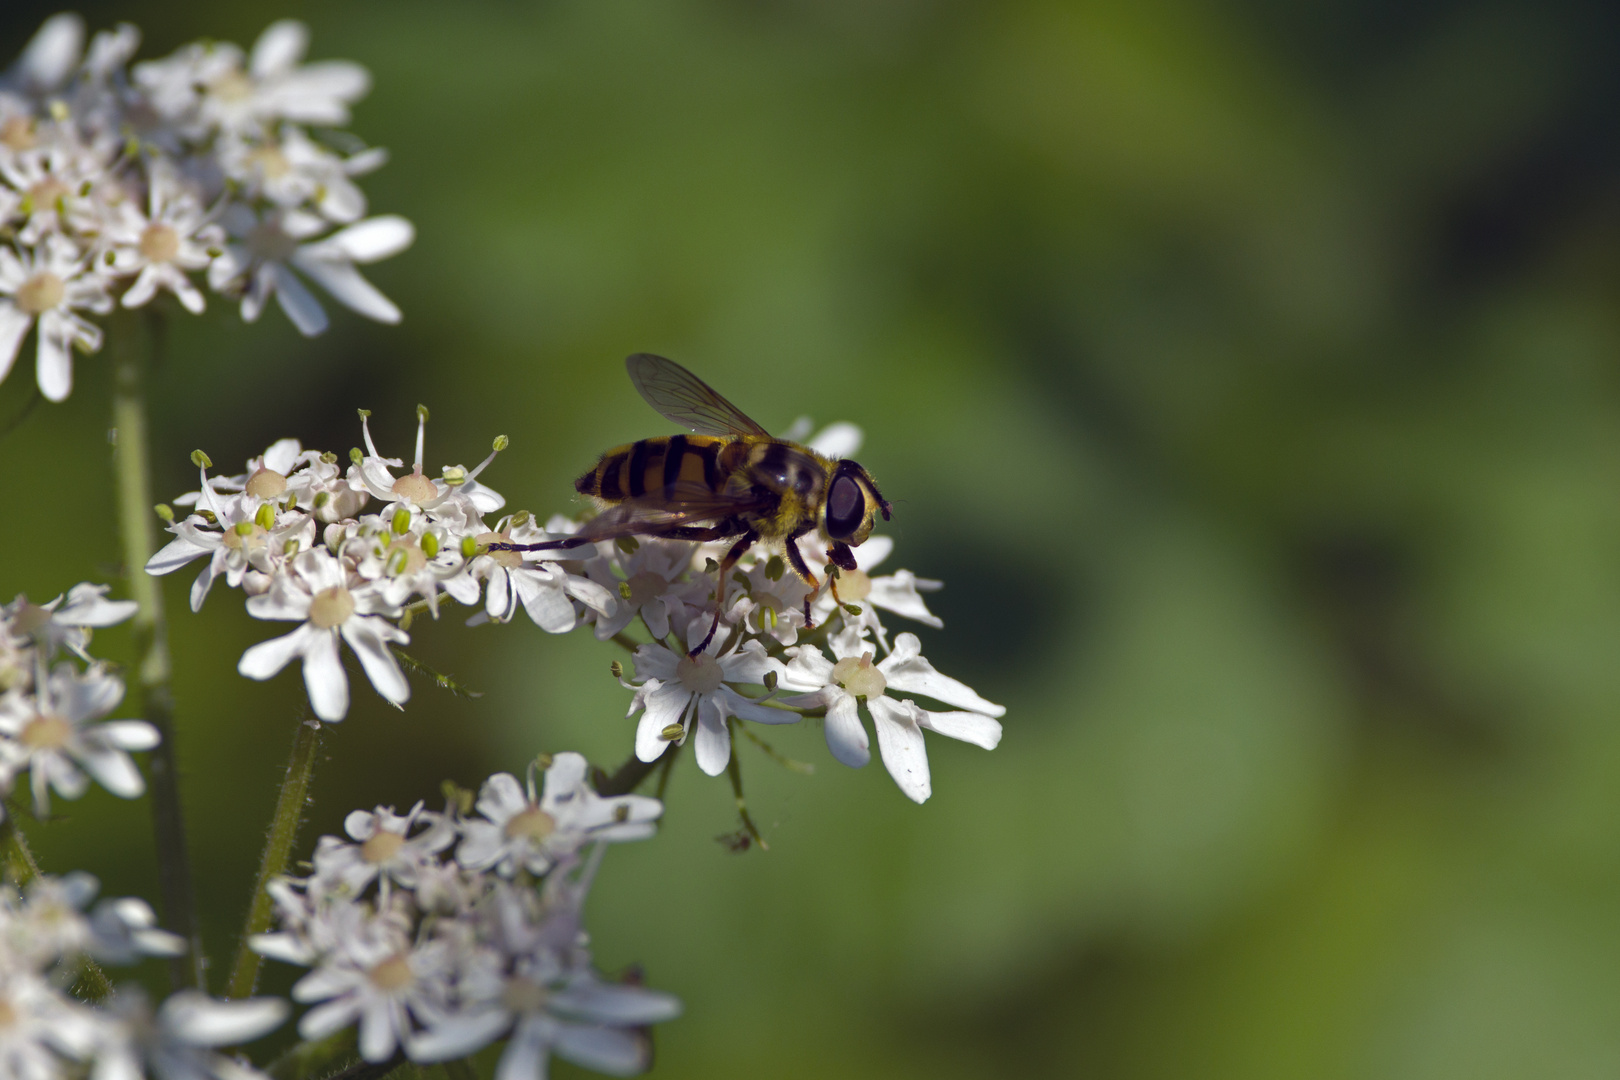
column 1249, row 370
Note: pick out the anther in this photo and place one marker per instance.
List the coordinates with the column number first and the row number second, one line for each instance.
column 501, row 443
column 616, row 669
column 430, row 545
column 671, row 732
column 200, row 459
column 265, row 516
column 627, row 544
column 162, row 510
column 402, row 521
column 355, row 456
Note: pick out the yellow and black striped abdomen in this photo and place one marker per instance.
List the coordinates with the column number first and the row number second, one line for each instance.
column 651, row 465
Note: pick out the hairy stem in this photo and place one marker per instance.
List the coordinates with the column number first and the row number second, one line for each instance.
column 132, row 471
column 278, row 845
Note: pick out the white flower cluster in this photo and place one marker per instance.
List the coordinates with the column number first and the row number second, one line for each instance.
column 117, row 182
column 290, row 532
column 45, row 937
column 51, row 723
column 439, row 953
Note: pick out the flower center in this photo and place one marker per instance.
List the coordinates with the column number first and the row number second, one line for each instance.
column 44, row 193
column 18, row 133
column 509, row 559
column 382, row 846
column 29, row 617
column 40, row 293
column 415, row 487
column 860, row 677
column 392, row 975
column 270, row 161
column 8, row 1014
column 46, row 732
column 270, row 243
column 645, row 586
column 405, row 559
column 159, row 242
column 252, row 538
column 266, row 484
column 523, row 995
column 234, row 85
column 331, row 607
column 533, row 823
column 700, row 674
column 854, row 585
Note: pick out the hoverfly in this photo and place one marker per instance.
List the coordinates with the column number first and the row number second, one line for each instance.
column 730, row 477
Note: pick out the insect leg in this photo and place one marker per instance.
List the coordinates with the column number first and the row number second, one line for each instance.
column 796, row 560
column 735, row 552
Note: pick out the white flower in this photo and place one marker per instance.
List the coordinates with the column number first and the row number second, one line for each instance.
column 173, row 236
column 376, row 976
column 384, row 848
column 646, row 586
column 537, row 834
column 538, row 581
column 275, row 86
column 65, row 623
column 293, row 170
column 676, row 689
column 179, row 1041
column 49, row 285
column 415, row 489
column 42, row 1023
column 50, row 56
column 549, row 1009
column 56, row 181
column 854, row 677
column 51, row 735
column 46, row 923
column 897, row 592
column 270, row 244
column 240, row 533
column 331, row 604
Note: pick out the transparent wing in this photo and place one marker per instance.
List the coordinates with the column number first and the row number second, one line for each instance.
column 682, row 398
column 675, row 505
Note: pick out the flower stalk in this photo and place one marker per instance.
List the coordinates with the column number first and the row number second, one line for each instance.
column 132, row 473
column 277, row 850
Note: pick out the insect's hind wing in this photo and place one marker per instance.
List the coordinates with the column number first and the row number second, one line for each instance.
column 682, row 398
column 676, row 506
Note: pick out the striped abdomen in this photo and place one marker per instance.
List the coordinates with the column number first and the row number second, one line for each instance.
column 651, row 465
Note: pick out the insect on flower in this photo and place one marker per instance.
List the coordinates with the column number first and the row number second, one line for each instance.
column 731, row 477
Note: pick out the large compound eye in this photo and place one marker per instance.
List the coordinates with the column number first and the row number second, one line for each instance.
column 845, row 508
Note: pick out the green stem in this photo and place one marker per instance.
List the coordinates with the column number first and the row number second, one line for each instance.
column 277, row 850
column 734, row 771
column 132, row 470
column 626, row 778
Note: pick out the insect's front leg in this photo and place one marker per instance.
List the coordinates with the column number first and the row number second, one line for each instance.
column 795, row 559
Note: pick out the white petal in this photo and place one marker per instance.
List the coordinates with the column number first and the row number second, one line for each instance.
column 267, row 658
column 970, row 727
column 837, row 440
column 373, row 239
column 201, row 1021
column 614, row 1051
column 614, row 1003
column 13, row 326
column 175, row 554
column 324, row 678
column 713, row 737
column 52, row 53
column 908, row 672
column 53, row 361
column 298, row 302
column 846, row 738
column 279, row 48
column 129, row 734
column 368, row 636
column 900, row 742
column 348, row 287
column 458, row 1036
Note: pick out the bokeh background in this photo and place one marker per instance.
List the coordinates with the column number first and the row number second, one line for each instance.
column 1249, row 370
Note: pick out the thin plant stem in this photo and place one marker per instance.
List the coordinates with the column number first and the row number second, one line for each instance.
column 278, row 844
column 734, row 771
column 132, row 470
column 626, row 778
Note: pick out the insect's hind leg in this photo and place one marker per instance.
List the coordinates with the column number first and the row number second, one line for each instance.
column 735, row 552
